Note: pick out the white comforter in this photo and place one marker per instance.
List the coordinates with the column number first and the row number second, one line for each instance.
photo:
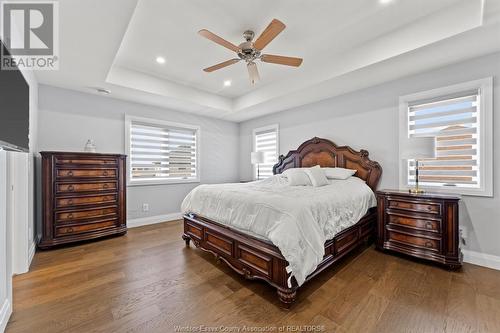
column 297, row 219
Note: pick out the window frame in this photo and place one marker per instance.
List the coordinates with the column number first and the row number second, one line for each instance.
column 157, row 122
column 485, row 135
column 261, row 129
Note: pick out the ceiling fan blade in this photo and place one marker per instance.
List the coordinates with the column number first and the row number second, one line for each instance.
column 281, row 60
column 272, row 30
column 221, row 65
column 253, row 72
column 219, row 40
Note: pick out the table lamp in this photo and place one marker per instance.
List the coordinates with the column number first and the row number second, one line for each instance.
column 417, row 148
column 257, row 157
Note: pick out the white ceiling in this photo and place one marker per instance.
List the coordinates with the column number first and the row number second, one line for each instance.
column 114, row 43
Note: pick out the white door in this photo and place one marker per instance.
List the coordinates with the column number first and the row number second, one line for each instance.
column 5, row 269
column 18, row 211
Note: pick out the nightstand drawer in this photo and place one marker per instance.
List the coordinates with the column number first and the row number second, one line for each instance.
column 416, row 206
column 414, row 222
column 415, row 241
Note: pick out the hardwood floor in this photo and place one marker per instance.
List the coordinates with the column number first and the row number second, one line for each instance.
column 148, row 281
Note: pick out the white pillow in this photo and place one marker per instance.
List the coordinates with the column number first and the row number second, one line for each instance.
column 317, row 176
column 297, row 177
column 339, row 173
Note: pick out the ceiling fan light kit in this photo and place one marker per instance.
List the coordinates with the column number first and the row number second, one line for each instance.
column 253, row 72
column 250, row 51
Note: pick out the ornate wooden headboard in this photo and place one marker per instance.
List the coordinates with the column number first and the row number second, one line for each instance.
column 325, row 153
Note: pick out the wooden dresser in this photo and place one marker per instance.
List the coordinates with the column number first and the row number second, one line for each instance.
column 83, row 196
column 420, row 225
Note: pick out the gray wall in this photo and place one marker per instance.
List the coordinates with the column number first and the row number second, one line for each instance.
column 67, row 119
column 368, row 119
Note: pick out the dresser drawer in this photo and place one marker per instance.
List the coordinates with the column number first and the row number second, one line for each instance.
column 76, row 160
column 414, row 241
column 71, row 216
column 86, row 173
column 415, row 222
column 416, row 206
column 78, row 229
column 86, row 187
column 86, row 200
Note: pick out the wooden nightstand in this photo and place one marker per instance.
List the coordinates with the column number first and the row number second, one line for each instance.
column 420, row 225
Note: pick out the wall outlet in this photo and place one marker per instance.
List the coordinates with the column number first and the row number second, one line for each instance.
column 145, row 207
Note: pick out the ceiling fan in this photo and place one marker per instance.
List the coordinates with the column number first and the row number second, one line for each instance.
column 250, row 51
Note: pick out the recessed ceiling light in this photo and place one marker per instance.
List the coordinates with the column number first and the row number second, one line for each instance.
column 103, row 91
column 227, row 83
column 160, row 60
column 385, row 2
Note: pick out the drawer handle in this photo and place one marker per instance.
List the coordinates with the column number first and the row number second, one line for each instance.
column 105, row 173
column 428, row 225
column 396, row 204
column 71, row 187
column 70, row 173
column 69, row 230
column 70, row 216
column 428, row 244
column 429, row 207
column 105, row 186
column 70, row 201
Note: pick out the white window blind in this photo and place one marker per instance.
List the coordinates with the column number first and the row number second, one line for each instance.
column 266, row 140
column 454, row 121
column 161, row 152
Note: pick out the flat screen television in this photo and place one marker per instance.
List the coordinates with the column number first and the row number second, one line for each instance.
column 14, row 108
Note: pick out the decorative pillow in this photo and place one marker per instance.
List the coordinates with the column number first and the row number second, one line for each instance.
column 297, row 177
column 339, row 173
column 317, row 176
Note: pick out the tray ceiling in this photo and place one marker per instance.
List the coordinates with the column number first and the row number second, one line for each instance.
column 338, row 40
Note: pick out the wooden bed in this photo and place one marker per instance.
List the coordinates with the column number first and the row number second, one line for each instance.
column 259, row 259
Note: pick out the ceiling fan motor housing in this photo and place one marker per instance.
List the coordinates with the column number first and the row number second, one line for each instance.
column 248, row 35
column 248, row 52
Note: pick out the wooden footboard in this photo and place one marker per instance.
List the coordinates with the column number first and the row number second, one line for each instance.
column 259, row 259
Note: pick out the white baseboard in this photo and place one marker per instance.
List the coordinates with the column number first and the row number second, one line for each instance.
column 5, row 313
column 23, row 266
column 481, row 259
column 31, row 253
column 132, row 223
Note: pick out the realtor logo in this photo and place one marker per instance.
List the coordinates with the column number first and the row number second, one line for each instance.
column 29, row 31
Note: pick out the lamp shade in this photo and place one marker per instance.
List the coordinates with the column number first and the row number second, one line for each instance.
column 257, row 157
column 418, row 148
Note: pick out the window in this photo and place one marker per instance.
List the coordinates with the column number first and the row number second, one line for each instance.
column 460, row 119
column 161, row 152
column 265, row 139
